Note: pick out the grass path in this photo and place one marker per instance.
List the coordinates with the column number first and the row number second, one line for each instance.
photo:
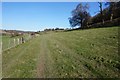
column 86, row 54
column 41, row 64
column 45, row 62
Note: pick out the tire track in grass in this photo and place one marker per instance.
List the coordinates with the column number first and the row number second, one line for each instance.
column 88, row 68
column 44, row 65
column 41, row 62
column 48, row 60
column 62, row 52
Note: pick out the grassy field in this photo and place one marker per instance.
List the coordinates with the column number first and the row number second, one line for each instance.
column 82, row 53
column 8, row 41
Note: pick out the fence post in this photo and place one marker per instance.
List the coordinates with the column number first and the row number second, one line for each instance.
column 9, row 44
column 18, row 40
column 24, row 40
column 21, row 40
column 14, row 41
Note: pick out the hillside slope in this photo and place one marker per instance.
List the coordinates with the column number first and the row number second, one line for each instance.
column 82, row 53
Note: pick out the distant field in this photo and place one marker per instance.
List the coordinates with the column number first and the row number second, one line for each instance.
column 81, row 53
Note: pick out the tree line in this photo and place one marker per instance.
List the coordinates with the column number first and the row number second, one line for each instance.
column 82, row 18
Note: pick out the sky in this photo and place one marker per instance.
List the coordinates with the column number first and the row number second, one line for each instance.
column 37, row 16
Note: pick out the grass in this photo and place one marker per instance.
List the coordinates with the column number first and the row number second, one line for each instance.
column 82, row 53
column 8, row 41
column 23, row 62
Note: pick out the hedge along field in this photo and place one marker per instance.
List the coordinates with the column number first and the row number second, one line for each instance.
column 81, row 53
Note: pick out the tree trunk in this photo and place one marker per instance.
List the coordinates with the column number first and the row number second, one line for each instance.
column 101, row 11
column 111, row 17
column 81, row 23
column 103, row 21
column 87, row 25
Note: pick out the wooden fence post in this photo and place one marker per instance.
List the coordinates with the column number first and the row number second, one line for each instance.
column 18, row 40
column 14, row 41
column 21, row 40
column 9, row 44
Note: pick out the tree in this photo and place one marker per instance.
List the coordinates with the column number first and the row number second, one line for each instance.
column 86, row 21
column 101, row 11
column 79, row 15
column 114, row 9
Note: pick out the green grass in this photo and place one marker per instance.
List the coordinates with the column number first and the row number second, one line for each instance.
column 82, row 53
column 23, row 62
column 8, row 41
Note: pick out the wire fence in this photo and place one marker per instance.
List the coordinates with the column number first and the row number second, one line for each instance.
column 8, row 43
